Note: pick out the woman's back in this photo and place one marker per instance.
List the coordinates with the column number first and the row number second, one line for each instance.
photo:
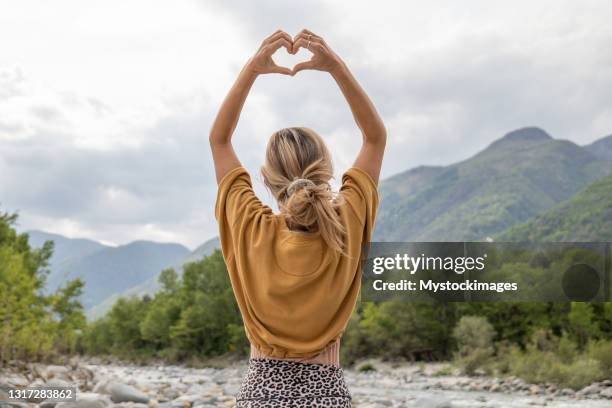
column 295, row 293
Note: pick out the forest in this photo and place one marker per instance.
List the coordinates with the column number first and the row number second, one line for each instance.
column 195, row 317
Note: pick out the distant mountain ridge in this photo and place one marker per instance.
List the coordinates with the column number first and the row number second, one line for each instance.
column 106, row 270
column 601, row 148
column 514, row 178
column 64, row 248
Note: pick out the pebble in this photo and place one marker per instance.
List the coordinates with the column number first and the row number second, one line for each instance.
column 397, row 385
column 126, row 393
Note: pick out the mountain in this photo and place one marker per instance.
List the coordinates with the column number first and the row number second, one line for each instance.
column 64, row 250
column 151, row 285
column 516, row 177
column 105, row 270
column 601, row 148
column 585, row 217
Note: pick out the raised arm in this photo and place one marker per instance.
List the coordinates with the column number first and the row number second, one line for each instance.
column 220, row 137
column 372, row 127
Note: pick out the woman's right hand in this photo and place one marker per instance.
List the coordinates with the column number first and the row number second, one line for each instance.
column 323, row 57
column 262, row 62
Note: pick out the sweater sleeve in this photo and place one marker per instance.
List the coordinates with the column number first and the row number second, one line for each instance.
column 361, row 199
column 238, row 211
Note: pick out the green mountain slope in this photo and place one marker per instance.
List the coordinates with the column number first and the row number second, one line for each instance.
column 587, row 216
column 151, row 285
column 516, row 177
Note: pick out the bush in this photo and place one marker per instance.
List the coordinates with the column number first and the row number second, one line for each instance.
column 567, row 350
column 474, row 337
column 238, row 341
column 576, row 375
column 532, row 365
column 563, row 366
column 601, row 351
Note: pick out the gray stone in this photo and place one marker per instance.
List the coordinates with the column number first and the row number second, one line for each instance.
column 56, row 371
column 101, row 387
column 126, row 393
column 4, row 389
column 13, row 404
column 433, row 403
column 231, row 389
column 590, row 389
column 84, row 403
column 606, row 393
column 57, row 383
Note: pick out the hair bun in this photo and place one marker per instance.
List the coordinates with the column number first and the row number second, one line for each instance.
column 299, row 183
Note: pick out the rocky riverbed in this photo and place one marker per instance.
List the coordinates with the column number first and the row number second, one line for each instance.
column 404, row 385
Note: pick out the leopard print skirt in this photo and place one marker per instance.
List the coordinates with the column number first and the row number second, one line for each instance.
column 278, row 383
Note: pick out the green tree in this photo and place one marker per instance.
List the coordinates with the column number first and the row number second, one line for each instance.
column 474, row 336
column 32, row 325
column 68, row 311
column 124, row 318
column 582, row 324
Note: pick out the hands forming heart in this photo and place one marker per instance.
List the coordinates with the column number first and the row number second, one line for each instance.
column 323, row 58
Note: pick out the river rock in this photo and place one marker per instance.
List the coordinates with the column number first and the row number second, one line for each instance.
column 56, row 371
column 590, row 390
column 85, row 401
column 606, row 393
column 101, row 386
column 534, row 390
column 48, row 404
column 4, row 389
column 231, row 388
column 126, row 393
column 15, row 381
column 57, row 383
column 13, row 404
column 433, row 403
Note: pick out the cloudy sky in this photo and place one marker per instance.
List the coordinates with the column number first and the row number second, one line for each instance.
column 105, row 106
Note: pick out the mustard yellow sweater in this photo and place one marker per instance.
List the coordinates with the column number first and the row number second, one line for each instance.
column 295, row 294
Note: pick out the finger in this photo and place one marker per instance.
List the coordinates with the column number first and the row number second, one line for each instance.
column 277, row 35
column 273, row 36
column 304, row 36
column 281, row 42
column 302, row 66
column 311, row 46
column 308, row 35
column 307, row 39
column 281, row 70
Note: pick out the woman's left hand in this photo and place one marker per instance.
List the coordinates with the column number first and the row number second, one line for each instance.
column 262, row 62
column 323, row 58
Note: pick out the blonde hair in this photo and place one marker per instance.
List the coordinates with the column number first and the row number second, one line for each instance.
column 297, row 171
